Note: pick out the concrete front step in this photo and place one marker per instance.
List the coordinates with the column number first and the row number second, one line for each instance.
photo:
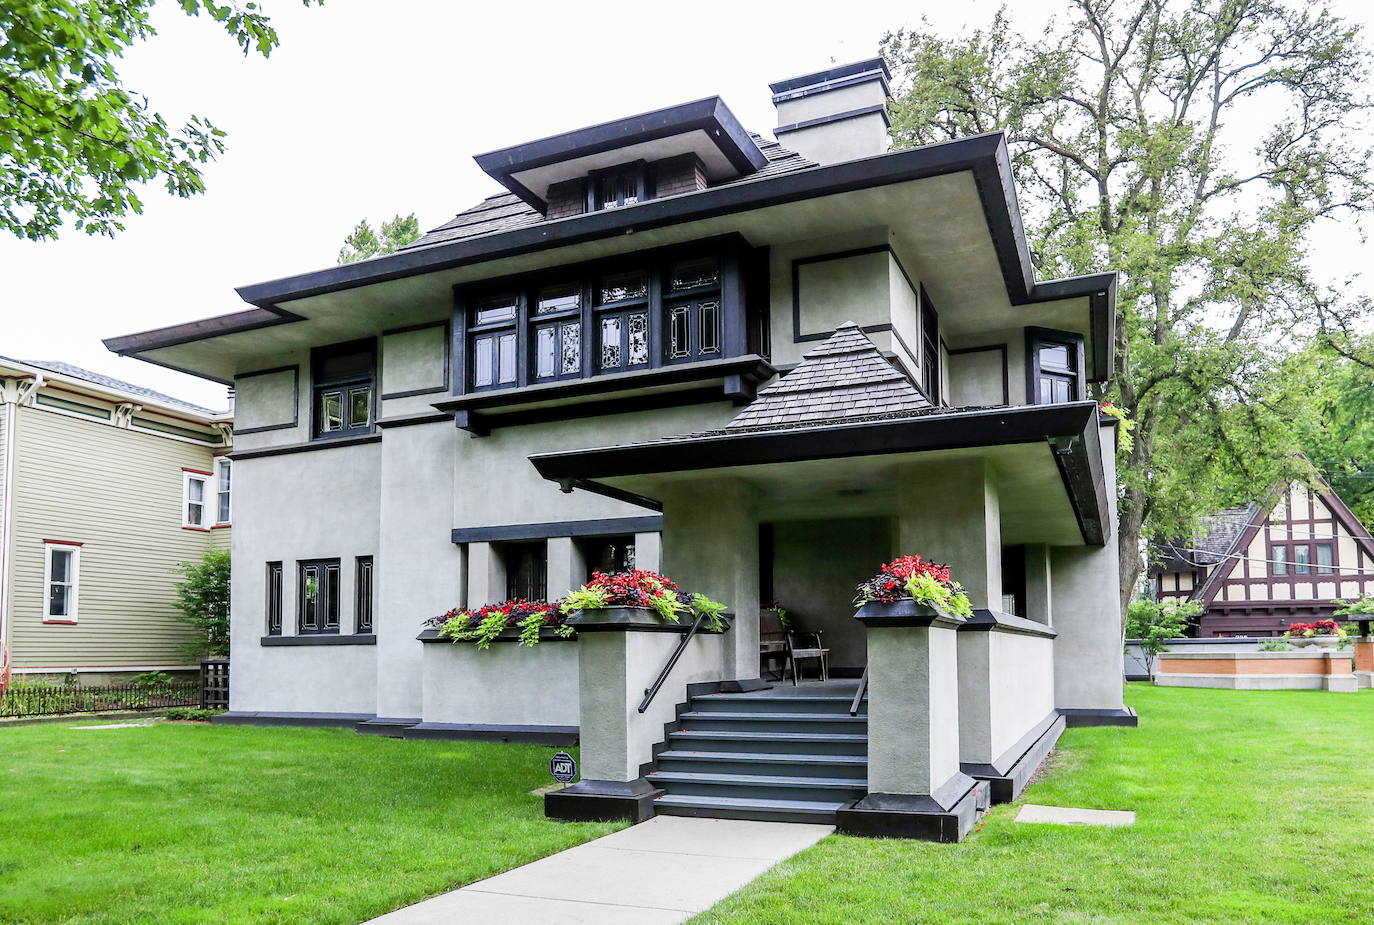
column 696, row 720
column 799, row 703
column 800, row 743
column 797, row 765
column 759, row 786
column 749, row 808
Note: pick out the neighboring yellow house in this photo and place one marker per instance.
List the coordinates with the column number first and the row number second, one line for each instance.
column 105, row 487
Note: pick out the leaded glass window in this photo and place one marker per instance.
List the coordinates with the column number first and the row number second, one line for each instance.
column 610, row 342
column 562, row 298
column 639, row 338
column 693, row 330
column 693, row 274
column 558, row 350
column 624, row 286
column 571, row 348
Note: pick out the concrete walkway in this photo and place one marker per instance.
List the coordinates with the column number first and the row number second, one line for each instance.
column 662, row 871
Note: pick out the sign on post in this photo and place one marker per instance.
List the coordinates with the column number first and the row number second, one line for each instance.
column 563, row 767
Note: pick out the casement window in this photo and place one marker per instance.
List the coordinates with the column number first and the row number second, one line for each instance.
column 492, row 344
column 527, row 569
column 61, row 577
column 1302, row 559
column 344, row 379
column 195, row 490
column 557, row 326
column 617, row 187
column 622, row 322
column 930, row 350
column 224, row 472
column 609, row 554
column 1325, row 558
column 1278, row 560
column 1054, row 367
column 362, row 589
column 317, row 596
column 273, row 606
column 692, row 311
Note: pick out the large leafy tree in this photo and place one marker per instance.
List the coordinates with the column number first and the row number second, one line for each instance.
column 1192, row 145
column 1338, row 432
column 363, row 242
column 75, row 141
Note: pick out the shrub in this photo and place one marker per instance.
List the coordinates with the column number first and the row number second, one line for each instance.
column 191, row 714
column 203, row 599
column 912, row 578
column 1154, row 623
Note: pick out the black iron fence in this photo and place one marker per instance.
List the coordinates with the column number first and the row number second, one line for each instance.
column 40, row 699
column 214, row 684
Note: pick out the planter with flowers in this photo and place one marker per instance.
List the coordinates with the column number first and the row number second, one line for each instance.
column 525, row 622
column 639, row 599
column 1325, row 633
column 910, row 591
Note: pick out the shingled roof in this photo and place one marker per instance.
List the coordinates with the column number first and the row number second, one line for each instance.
column 1215, row 542
column 506, row 211
column 77, row 372
column 844, row 377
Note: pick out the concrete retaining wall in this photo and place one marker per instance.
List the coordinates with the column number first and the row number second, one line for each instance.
column 1306, row 669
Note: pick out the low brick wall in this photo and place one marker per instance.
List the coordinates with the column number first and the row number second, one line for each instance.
column 1364, row 662
column 1305, row 669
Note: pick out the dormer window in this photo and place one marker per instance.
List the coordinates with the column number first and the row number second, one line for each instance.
column 618, row 186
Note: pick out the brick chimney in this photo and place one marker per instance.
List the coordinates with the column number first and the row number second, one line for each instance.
column 834, row 115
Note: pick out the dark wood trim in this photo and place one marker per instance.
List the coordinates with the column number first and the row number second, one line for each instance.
column 610, row 526
column 1037, row 337
column 470, row 732
column 797, row 263
column 480, row 424
column 295, row 370
column 877, row 109
column 287, row 449
column 322, row 639
column 1006, row 364
column 406, row 420
column 996, row 621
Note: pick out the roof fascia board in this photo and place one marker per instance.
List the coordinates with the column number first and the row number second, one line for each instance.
column 832, row 75
column 99, row 390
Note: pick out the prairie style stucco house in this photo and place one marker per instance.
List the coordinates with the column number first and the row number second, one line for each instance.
column 762, row 366
column 1259, row 567
column 105, row 488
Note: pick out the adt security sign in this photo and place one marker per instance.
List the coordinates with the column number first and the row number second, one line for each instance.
column 563, row 767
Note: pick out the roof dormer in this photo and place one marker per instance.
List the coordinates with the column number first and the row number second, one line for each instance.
column 662, row 153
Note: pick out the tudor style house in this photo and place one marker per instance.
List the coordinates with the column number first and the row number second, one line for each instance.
column 105, row 488
column 1257, row 568
column 762, row 365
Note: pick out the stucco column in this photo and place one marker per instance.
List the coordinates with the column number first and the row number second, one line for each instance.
column 649, row 551
column 949, row 512
column 913, row 712
column 566, row 567
column 1039, row 588
column 711, row 545
column 486, row 575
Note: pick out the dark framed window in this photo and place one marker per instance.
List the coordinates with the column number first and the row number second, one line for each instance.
column 493, row 343
column 609, row 554
column 556, row 322
column 273, row 599
column 930, row 349
column 344, row 378
column 1326, row 558
column 622, row 322
column 317, row 596
column 1278, row 560
column 527, row 570
column 1054, row 366
column 616, row 187
column 1302, row 559
column 362, row 592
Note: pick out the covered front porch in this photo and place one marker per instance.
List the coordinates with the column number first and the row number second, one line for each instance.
column 834, row 470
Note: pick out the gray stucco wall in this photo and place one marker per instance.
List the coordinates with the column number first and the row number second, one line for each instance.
column 816, row 564
column 507, row 684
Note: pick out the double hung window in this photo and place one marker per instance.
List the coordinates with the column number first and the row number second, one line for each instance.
column 61, row 572
column 195, row 495
column 224, row 472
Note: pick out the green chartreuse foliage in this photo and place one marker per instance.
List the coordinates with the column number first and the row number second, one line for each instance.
column 1154, row 623
column 203, row 599
column 1193, row 145
column 75, row 141
column 363, row 242
column 1338, row 432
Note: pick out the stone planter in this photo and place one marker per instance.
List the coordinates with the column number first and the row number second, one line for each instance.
column 905, row 613
column 625, row 617
column 1325, row 642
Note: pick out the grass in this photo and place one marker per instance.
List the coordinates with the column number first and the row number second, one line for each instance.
column 1252, row 807
column 183, row 823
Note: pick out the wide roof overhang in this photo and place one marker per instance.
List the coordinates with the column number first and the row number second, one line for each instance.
column 1047, row 459
column 949, row 209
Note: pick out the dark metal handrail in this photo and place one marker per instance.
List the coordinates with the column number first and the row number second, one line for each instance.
column 650, row 692
column 859, row 697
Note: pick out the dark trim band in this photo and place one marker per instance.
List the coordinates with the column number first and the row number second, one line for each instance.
column 287, row 449
column 321, row 639
column 610, row 526
column 879, row 109
column 295, row 371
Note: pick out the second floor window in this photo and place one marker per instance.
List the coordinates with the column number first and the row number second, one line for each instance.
column 1054, row 362
column 195, row 495
column 344, row 378
column 224, row 469
column 618, row 187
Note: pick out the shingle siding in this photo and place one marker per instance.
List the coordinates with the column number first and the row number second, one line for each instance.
column 119, row 492
column 682, row 174
column 566, row 199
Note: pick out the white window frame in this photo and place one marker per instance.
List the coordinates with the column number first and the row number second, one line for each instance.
column 223, row 465
column 187, row 476
column 73, row 585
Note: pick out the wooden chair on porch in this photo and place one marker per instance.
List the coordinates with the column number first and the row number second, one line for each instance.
column 802, row 646
column 774, row 651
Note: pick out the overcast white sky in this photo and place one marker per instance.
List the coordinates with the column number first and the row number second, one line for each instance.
column 371, row 108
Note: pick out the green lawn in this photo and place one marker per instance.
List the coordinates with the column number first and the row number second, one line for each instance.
column 177, row 823
column 1252, row 807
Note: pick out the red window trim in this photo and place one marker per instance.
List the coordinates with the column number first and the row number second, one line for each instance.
column 64, row 542
column 198, row 472
column 220, row 526
column 197, row 529
column 61, row 621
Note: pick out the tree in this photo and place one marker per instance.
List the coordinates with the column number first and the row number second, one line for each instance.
column 1154, row 623
column 1127, row 127
column 364, row 242
column 1337, row 434
column 76, row 141
column 203, row 599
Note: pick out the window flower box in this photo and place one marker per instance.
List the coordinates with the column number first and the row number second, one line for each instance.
column 1326, row 634
column 910, row 591
column 639, row 598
